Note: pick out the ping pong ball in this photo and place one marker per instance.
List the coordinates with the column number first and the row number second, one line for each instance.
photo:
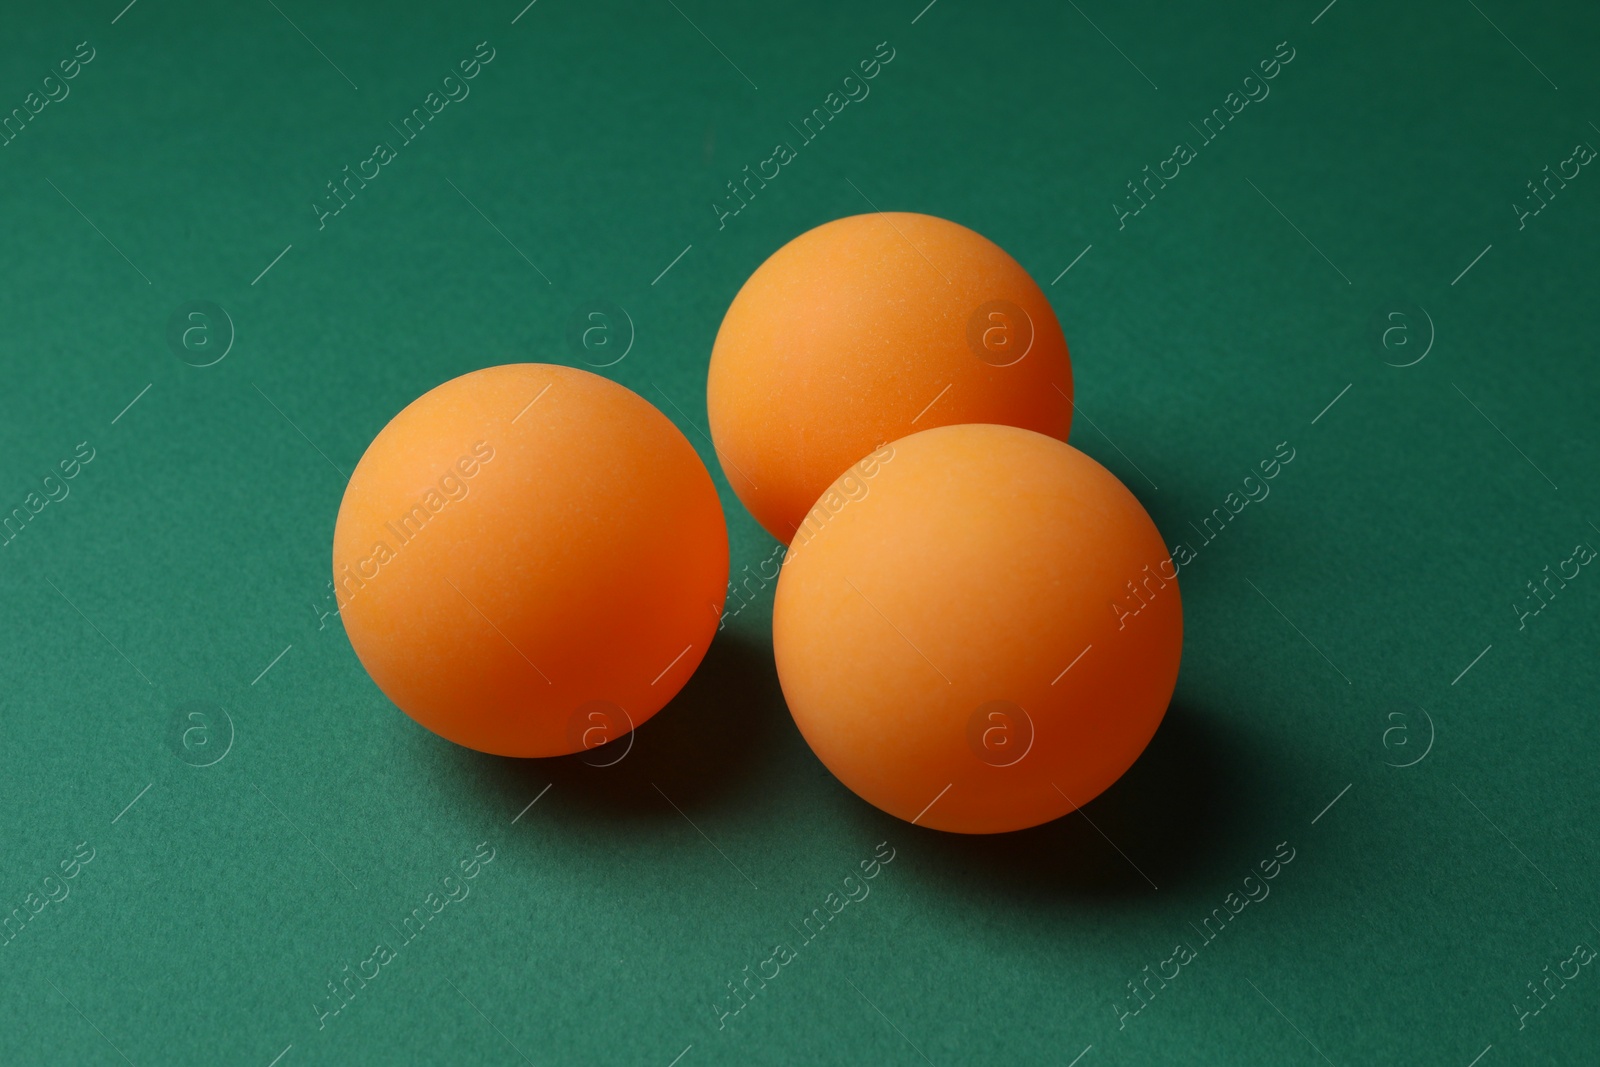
column 530, row 560
column 867, row 329
column 979, row 629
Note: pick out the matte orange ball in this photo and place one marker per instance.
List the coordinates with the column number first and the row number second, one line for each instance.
column 867, row 329
column 959, row 641
column 530, row 560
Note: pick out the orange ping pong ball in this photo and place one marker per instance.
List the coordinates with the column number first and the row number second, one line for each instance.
column 867, row 329
column 530, row 560
column 983, row 630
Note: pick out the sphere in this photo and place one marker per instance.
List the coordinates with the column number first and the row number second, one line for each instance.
column 867, row 329
column 530, row 560
column 984, row 631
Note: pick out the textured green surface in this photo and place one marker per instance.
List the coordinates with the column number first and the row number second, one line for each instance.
column 193, row 548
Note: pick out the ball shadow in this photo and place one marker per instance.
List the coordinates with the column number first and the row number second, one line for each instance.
column 1165, row 823
column 697, row 753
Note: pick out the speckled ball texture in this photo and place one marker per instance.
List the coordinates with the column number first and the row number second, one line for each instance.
column 523, row 543
column 867, row 329
column 983, row 633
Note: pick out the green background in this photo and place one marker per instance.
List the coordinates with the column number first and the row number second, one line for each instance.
column 194, row 548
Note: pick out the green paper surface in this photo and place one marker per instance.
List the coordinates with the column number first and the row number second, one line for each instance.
column 1366, row 684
